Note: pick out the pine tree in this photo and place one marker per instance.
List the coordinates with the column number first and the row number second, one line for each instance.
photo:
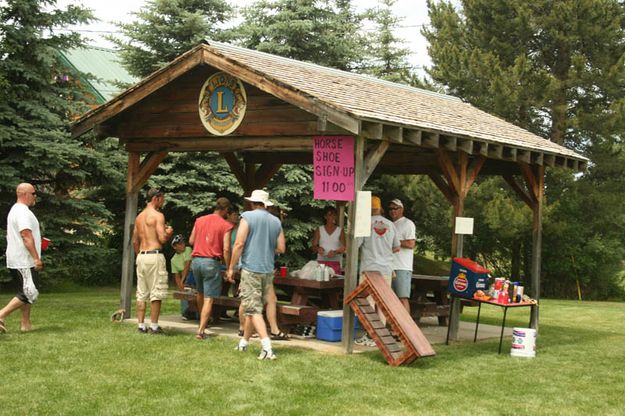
column 554, row 67
column 387, row 58
column 324, row 32
column 38, row 98
column 165, row 29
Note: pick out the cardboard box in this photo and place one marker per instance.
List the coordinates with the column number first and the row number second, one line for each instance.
column 466, row 277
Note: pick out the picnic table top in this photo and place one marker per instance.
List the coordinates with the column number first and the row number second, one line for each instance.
column 335, row 282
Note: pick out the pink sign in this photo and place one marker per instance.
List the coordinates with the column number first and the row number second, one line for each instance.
column 333, row 158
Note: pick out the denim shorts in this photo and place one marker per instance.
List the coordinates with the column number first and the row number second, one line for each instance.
column 401, row 283
column 207, row 274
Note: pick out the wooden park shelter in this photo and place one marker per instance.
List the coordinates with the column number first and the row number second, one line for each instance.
column 397, row 130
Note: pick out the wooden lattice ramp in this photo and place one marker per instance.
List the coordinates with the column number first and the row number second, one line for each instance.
column 413, row 343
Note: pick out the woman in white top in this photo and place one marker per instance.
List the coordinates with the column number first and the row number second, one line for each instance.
column 329, row 241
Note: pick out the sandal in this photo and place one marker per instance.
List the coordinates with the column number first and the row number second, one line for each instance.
column 201, row 336
column 3, row 328
column 280, row 336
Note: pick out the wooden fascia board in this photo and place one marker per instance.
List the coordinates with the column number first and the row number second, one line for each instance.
column 280, row 90
column 139, row 91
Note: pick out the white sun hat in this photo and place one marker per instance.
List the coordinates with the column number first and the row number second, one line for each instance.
column 258, row 195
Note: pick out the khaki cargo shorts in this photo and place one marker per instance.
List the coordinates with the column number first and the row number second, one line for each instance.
column 151, row 277
column 253, row 291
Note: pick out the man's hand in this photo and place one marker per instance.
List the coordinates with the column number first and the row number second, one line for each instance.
column 38, row 264
column 169, row 230
column 230, row 275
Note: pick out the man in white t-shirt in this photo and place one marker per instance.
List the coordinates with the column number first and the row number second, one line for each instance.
column 376, row 251
column 23, row 255
column 402, row 261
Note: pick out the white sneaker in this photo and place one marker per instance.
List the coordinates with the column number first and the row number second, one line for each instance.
column 267, row 355
column 240, row 348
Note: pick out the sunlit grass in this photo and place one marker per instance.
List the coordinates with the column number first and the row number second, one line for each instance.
column 78, row 362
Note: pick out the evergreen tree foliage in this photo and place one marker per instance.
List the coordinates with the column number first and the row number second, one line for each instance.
column 387, row 58
column 38, row 97
column 557, row 69
column 324, row 32
column 165, row 29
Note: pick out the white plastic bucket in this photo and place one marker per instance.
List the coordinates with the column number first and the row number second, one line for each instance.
column 523, row 343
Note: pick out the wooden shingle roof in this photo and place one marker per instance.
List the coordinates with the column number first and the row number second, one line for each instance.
column 359, row 104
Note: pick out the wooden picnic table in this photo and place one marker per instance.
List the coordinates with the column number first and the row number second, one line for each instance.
column 428, row 297
column 301, row 289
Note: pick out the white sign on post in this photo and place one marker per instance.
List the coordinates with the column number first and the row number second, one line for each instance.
column 464, row 225
column 362, row 227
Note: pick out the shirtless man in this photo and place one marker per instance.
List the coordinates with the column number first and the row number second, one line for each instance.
column 148, row 238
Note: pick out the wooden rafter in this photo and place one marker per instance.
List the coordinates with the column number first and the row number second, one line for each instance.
column 142, row 173
column 522, row 193
column 373, row 157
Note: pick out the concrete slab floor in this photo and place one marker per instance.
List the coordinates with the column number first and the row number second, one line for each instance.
column 429, row 326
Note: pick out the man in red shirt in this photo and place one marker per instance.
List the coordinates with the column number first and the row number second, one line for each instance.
column 210, row 239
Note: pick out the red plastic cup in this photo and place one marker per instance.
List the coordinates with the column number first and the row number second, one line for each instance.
column 44, row 244
column 284, row 271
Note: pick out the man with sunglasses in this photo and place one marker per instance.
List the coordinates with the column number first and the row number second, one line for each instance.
column 23, row 255
column 402, row 259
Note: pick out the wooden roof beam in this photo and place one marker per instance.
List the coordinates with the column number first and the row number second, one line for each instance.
column 393, row 134
column 537, row 158
column 482, row 148
column 371, row 130
column 549, row 160
column 220, row 144
column 495, row 151
column 373, row 157
column 449, row 142
column 509, row 153
column 429, row 139
column 523, row 155
column 412, row 136
column 147, row 167
column 465, row 145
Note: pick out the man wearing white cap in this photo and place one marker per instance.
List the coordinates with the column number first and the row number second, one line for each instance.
column 259, row 238
column 402, row 261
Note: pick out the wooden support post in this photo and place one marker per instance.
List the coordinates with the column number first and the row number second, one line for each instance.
column 534, row 177
column 537, row 241
column 458, row 178
column 351, row 266
column 128, row 255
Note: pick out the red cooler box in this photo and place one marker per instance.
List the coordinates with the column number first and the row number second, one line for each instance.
column 466, row 277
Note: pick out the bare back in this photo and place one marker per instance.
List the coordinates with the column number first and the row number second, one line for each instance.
column 149, row 232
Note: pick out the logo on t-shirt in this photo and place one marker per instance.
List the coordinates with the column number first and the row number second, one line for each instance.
column 380, row 228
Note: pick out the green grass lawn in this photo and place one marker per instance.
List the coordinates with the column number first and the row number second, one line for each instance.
column 78, row 362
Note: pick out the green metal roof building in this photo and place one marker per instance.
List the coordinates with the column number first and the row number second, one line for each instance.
column 104, row 69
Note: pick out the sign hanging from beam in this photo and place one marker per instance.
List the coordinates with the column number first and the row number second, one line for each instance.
column 333, row 158
column 222, row 103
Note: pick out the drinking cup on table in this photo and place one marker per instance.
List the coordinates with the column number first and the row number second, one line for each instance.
column 284, row 271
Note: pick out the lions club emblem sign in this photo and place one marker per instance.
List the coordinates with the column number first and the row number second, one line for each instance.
column 222, row 103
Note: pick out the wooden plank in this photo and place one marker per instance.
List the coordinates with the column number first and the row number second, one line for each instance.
column 412, row 136
column 149, row 164
column 442, row 186
column 449, row 171
column 237, row 169
column 537, row 158
column 265, row 173
column 449, row 143
column 495, row 151
column 509, row 153
column 523, row 155
column 482, row 148
column 223, row 145
column 431, row 140
column 465, row 145
column 516, row 187
column 537, row 242
column 393, row 134
column 371, row 130
column 549, row 160
column 373, row 157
